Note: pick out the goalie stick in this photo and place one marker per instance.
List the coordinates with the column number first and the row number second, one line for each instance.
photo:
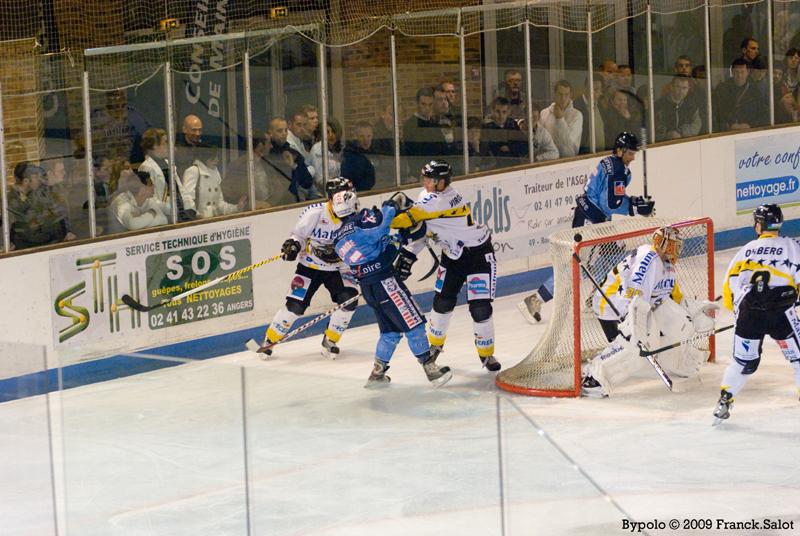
column 253, row 346
column 138, row 306
column 650, row 359
column 644, row 353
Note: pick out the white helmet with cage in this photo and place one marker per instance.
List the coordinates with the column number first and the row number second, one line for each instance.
column 344, row 203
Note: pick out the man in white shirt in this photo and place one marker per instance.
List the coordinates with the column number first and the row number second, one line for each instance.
column 563, row 121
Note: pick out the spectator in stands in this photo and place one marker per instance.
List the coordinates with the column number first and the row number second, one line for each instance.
column 383, row 132
column 759, row 72
column 202, row 187
column 32, row 217
column 563, row 121
column 699, row 91
column 55, row 188
column 480, row 159
column 737, row 102
column 299, row 137
column 608, row 72
column 271, row 186
column 544, row 148
column 449, row 89
column 582, row 105
column 288, row 162
column 117, row 128
column 312, row 125
column 133, row 206
column 422, row 137
column 189, row 139
column 619, row 117
column 511, row 89
column 357, row 159
column 447, row 124
column 102, row 168
column 625, row 78
column 676, row 115
column 750, row 51
column 335, row 147
column 503, row 136
column 156, row 151
column 786, row 88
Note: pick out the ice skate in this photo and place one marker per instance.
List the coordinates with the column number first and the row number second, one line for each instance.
column 491, row 363
column 329, row 348
column 437, row 375
column 591, row 388
column 531, row 308
column 265, row 352
column 378, row 377
column 435, row 350
column 723, row 410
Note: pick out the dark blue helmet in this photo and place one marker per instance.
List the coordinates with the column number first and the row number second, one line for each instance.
column 769, row 216
column 627, row 140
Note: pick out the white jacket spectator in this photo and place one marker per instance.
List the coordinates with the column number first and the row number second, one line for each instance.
column 133, row 205
column 160, row 188
column 563, row 121
column 202, row 190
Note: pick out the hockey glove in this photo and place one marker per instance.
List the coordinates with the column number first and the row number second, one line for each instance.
column 643, row 206
column 403, row 263
column 290, row 249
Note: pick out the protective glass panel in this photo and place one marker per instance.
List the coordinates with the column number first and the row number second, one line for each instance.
column 428, row 125
column 740, row 97
column 162, row 448
column 786, row 62
column 27, row 500
column 360, row 89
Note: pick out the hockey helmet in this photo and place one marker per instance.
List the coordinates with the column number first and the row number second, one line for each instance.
column 668, row 242
column 344, row 203
column 338, row 184
column 769, row 216
column 627, row 140
column 437, row 169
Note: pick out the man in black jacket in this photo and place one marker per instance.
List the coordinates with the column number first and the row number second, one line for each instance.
column 357, row 162
column 287, row 161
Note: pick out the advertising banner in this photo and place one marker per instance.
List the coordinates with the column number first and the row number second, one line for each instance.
column 767, row 171
column 87, row 286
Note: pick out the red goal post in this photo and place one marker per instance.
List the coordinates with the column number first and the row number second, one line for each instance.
column 553, row 367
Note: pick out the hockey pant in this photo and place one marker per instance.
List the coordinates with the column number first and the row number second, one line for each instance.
column 653, row 328
column 751, row 327
column 305, row 283
column 477, row 268
column 397, row 314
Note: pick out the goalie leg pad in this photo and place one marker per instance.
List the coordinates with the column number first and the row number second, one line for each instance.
column 387, row 343
column 281, row 324
column 437, row 327
column 673, row 322
column 618, row 362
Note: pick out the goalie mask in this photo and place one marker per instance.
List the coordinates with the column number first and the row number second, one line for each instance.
column 344, row 203
column 668, row 243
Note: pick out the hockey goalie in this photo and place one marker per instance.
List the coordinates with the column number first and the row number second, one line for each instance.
column 640, row 306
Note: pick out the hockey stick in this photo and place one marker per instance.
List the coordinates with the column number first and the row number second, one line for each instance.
column 645, row 353
column 435, row 264
column 253, row 346
column 138, row 306
column 650, row 359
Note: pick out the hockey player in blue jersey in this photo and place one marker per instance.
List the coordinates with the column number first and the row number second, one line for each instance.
column 364, row 243
column 604, row 195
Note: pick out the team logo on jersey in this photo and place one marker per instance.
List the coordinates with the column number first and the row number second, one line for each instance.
column 643, row 266
column 440, row 275
column 619, row 188
column 369, row 217
column 478, row 287
column 403, row 302
column 299, row 287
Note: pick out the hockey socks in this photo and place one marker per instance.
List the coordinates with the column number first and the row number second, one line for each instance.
column 484, row 337
column 281, row 325
column 437, row 327
column 338, row 324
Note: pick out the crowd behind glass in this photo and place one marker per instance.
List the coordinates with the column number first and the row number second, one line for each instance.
column 131, row 173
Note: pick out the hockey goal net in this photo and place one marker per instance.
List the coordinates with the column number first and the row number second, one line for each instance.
column 573, row 334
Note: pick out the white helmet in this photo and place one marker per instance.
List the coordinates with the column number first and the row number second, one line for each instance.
column 668, row 242
column 344, row 203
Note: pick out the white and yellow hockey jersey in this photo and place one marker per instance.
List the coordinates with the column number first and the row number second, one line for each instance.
column 314, row 230
column 777, row 255
column 448, row 220
column 642, row 273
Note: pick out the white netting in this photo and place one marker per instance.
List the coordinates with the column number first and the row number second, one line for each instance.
column 551, row 369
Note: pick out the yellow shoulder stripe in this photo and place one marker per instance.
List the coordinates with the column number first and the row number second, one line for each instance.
column 416, row 214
